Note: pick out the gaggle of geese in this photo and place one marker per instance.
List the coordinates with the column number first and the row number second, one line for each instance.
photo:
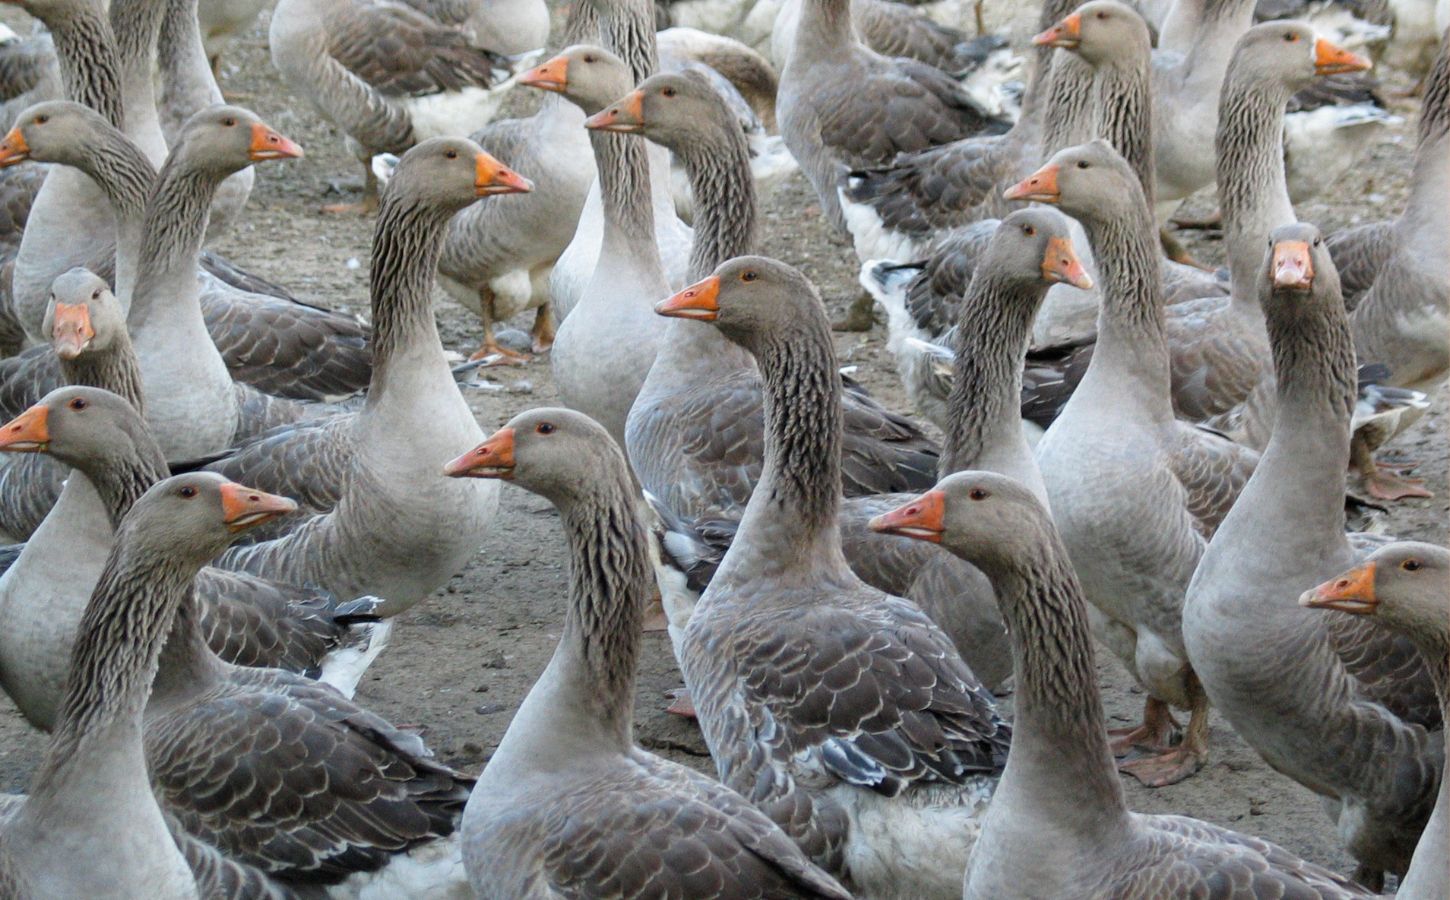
column 217, row 496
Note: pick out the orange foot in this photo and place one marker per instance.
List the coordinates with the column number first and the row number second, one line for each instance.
column 360, row 208
column 494, row 355
column 1160, row 770
column 681, row 703
column 1383, row 486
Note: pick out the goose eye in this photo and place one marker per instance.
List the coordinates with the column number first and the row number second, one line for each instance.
column 229, row 121
column 188, row 492
column 979, row 494
column 589, row 57
column 1318, row 241
column 451, row 154
column 1410, row 565
column 748, row 275
column 1082, row 164
column 1291, row 37
column 668, row 92
column 1029, row 230
column 545, row 428
column 1102, row 15
column 78, row 404
column 96, row 294
column 41, row 120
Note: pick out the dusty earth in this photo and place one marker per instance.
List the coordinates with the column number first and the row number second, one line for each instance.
column 460, row 663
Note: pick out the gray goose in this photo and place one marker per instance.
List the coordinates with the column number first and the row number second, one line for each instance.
column 1119, row 428
column 91, row 798
column 568, row 786
column 842, row 106
column 844, row 713
column 1403, row 586
column 390, row 526
column 248, row 620
column 1059, row 825
column 388, row 74
column 1346, row 709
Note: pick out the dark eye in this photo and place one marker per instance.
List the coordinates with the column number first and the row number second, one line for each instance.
column 1082, row 164
column 41, row 120
column 96, row 294
column 1029, row 230
column 78, row 403
column 749, row 275
column 1318, row 241
column 1290, row 37
column 668, row 92
column 188, row 492
column 979, row 494
column 589, row 57
column 451, row 154
column 545, row 428
column 1102, row 15
column 229, row 121
column 1410, row 565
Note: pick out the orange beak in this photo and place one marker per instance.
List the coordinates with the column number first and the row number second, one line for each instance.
column 551, row 76
column 923, row 519
column 1352, row 592
column 28, row 432
column 1330, row 59
column 1293, row 267
column 1040, row 186
column 1066, row 34
column 1060, row 264
column 493, row 177
column 13, row 149
column 244, row 507
column 494, row 458
column 71, row 331
column 624, row 117
column 700, row 301
column 268, row 144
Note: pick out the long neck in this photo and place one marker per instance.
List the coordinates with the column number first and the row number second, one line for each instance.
column 120, row 480
column 609, row 584
column 1424, row 224
column 824, row 27
column 114, row 658
column 187, row 664
column 629, row 31
column 187, row 83
column 126, row 176
column 1040, row 74
column 407, row 241
column 137, row 24
column 88, row 66
column 724, row 191
column 1060, row 756
column 1132, row 349
column 1250, row 163
column 175, row 224
column 993, row 330
column 624, row 188
column 792, row 511
column 1069, row 112
column 113, row 369
column 1315, row 372
column 1214, row 32
column 1126, row 118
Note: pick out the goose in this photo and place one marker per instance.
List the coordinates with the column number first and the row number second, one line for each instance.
column 695, row 434
column 846, row 714
column 1403, row 586
column 1059, row 825
column 1119, row 428
column 832, row 110
column 91, row 797
column 510, row 27
column 248, row 620
column 627, row 31
column 568, row 785
column 388, row 74
column 498, row 256
column 389, row 525
column 1362, row 737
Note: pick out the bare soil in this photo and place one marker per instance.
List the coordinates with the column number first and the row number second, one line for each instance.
column 460, row 663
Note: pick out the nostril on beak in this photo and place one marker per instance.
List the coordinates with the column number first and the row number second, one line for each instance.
column 254, row 498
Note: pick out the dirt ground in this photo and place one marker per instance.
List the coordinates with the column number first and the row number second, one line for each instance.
column 460, row 663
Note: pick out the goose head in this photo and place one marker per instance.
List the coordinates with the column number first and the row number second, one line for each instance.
column 747, row 298
column 224, row 139
column 82, row 315
column 1298, row 271
column 80, row 426
column 1033, row 245
column 1406, row 585
column 590, row 77
column 195, row 516
column 990, row 520
column 673, row 109
column 451, row 173
column 57, row 131
column 556, row 453
column 1291, row 54
column 1087, row 181
column 1099, row 31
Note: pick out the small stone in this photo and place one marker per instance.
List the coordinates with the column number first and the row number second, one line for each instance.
column 497, row 662
column 489, row 709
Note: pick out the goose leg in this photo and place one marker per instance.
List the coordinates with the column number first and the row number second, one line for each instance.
column 1378, row 482
column 490, row 350
column 543, row 330
column 369, row 202
column 1155, row 733
column 1173, row 766
column 681, row 704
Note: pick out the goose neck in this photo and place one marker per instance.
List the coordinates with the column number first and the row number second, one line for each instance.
column 1211, row 37
column 718, row 168
column 1060, row 757
column 121, row 479
column 1252, row 189
column 993, row 331
column 1424, row 229
column 629, row 32
column 1435, row 109
column 85, row 48
column 174, row 226
column 136, row 24
column 1069, row 116
column 824, row 29
column 624, row 189
column 1126, row 117
column 187, row 83
column 125, row 175
column 1132, row 346
column 1040, row 74
column 407, row 243
column 187, row 664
